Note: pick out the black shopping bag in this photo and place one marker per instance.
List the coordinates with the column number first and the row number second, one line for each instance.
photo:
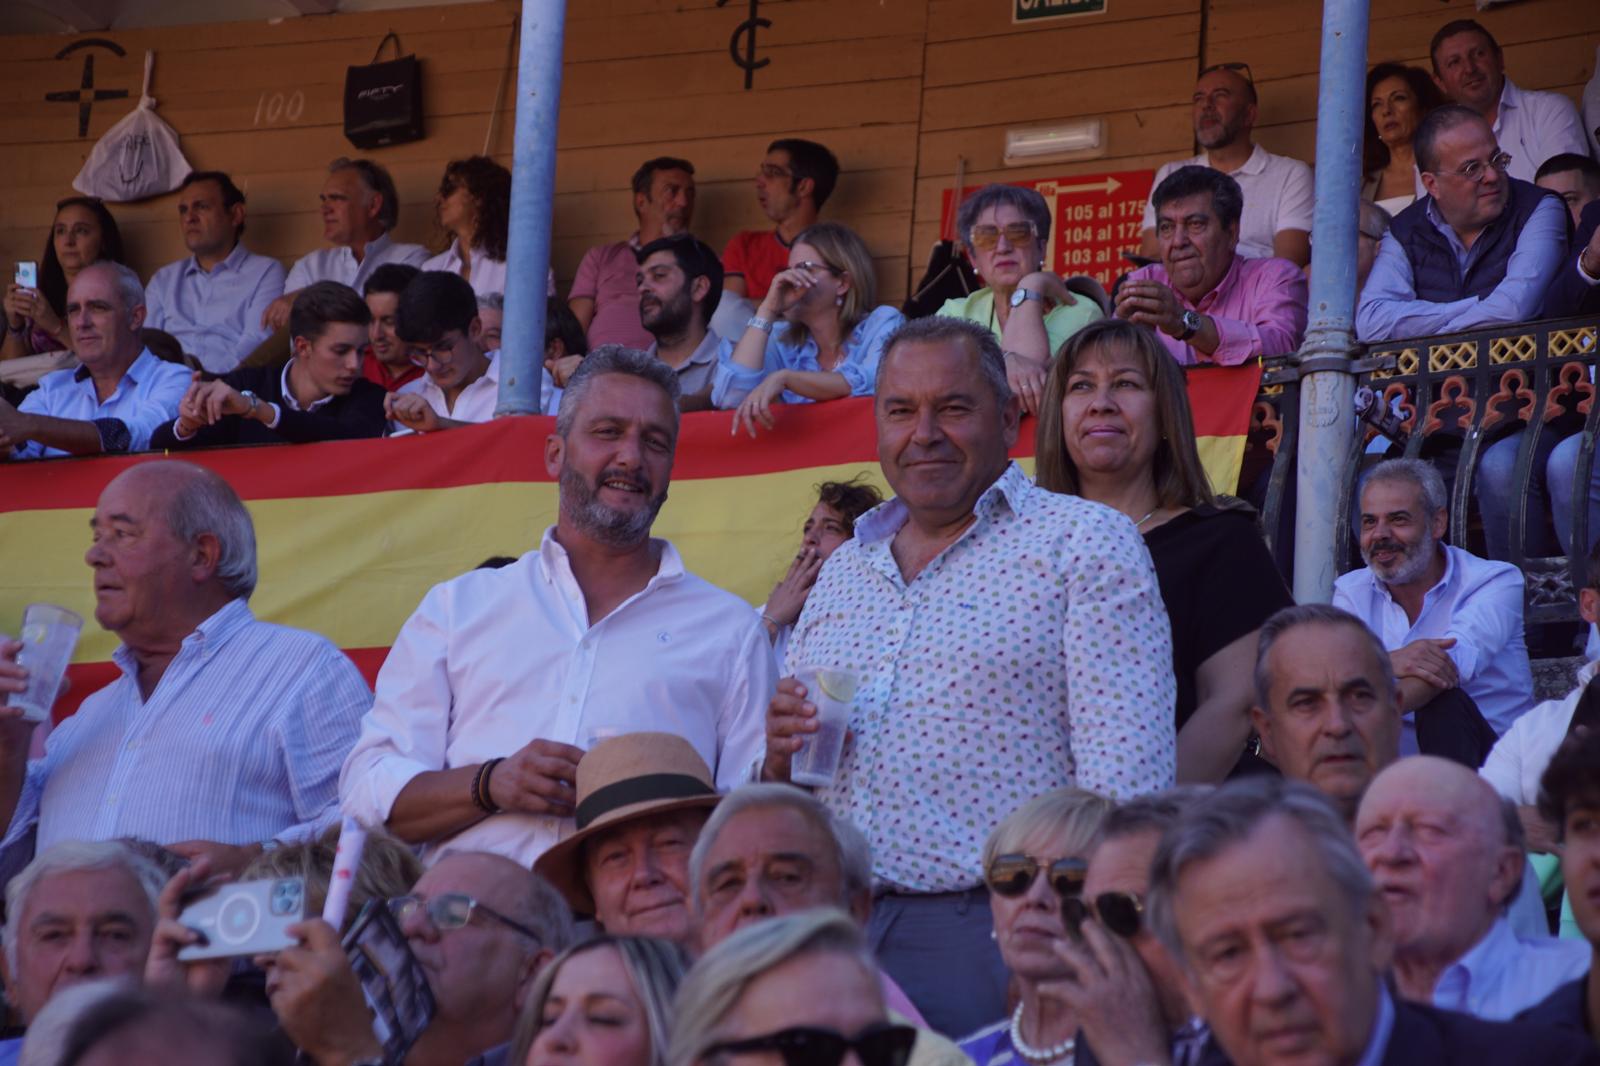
column 383, row 101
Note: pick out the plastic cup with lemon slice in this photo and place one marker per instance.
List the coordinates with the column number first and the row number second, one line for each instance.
column 833, row 691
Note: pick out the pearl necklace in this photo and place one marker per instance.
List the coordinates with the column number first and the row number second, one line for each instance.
column 1054, row 1053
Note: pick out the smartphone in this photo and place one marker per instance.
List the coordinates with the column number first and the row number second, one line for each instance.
column 243, row 919
column 28, row 274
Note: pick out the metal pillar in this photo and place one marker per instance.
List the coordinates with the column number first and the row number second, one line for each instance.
column 533, row 186
column 1327, row 421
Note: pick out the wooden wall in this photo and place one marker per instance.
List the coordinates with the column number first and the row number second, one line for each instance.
column 898, row 88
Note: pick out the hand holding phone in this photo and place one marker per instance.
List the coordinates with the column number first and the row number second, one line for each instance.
column 248, row 918
column 28, row 274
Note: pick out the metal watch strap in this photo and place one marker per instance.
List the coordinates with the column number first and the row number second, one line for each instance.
column 763, row 324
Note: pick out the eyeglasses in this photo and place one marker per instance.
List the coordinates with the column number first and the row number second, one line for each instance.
column 420, row 356
column 772, row 171
column 883, row 1045
column 1473, row 170
column 1242, row 69
column 1012, row 875
column 1118, row 911
column 1017, row 234
column 452, row 910
column 811, row 267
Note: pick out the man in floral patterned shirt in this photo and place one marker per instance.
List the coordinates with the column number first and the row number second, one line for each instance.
column 1010, row 641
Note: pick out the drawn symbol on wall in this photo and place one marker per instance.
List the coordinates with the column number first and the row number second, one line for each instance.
column 746, row 30
column 86, row 95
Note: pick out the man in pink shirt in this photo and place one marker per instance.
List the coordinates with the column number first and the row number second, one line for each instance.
column 1207, row 303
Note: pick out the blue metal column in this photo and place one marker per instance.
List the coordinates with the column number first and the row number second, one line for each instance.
column 533, row 186
column 1327, row 421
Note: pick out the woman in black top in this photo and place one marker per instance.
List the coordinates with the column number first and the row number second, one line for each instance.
column 1115, row 427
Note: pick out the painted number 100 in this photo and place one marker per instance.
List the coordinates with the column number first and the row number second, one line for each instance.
column 278, row 107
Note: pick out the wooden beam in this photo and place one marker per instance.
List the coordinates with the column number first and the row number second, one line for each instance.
column 79, row 16
column 313, row 7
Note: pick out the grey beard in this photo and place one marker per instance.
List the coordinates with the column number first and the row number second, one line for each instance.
column 1412, row 565
column 609, row 525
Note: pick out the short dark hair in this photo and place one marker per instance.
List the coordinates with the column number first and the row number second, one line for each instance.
column 559, row 321
column 1450, row 29
column 851, row 499
column 112, row 1018
column 231, row 194
column 696, row 259
column 1560, row 164
column 322, row 303
column 1572, row 779
column 377, row 179
column 391, row 277
column 1226, row 198
column 1436, row 124
column 645, row 176
column 436, row 302
column 808, row 159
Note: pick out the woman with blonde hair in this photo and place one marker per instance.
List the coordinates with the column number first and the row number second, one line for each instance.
column 605, row 1002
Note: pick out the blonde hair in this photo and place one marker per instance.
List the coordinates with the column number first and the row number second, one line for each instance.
column 1076, row 814
column 656, row 968
column 388, row 869
column 844, row 251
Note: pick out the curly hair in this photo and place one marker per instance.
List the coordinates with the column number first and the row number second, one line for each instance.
column 489, row 185
column 851, row 499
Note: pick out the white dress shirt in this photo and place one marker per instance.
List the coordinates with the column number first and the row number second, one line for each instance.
column 488, row 275
column 215, row 314
column 495, row 659
column 1479, row 604
column 1503, row 975
column 339, row 263
column 478, row 400
column 1278, row 195
column 1519, row 760
column 1533, row 126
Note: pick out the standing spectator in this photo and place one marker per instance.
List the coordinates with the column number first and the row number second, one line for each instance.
column 82, row 233
column 792, row 183
column 816, row 336
column 605, row 292
column 946, row 739
column 474, row 208
column 1398, row 99
column 212, row 302
column 386, row 361
column 1575, row 178
column 1531, row 126
column 360, row 209
column 604, row 1002
column 1276, row 191
column 680, row 285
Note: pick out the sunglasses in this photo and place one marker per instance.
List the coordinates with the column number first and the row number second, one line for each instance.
column 1012, row 875
column 453, row 910
column 883, row 1045
column 986, row 237
column 1242, row 69
column 1119, row 912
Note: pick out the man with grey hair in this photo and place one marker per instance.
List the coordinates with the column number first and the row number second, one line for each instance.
column 221, row 733
column 1260, row 894
column 1010, row 641
column 1452, row 622
column 501, row 678
column 118, row 394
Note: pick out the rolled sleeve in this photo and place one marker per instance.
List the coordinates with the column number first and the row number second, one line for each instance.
column 1278, row 316
column 586, row 282
column 730, row 382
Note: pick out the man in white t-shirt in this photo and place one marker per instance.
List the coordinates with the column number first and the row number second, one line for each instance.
column 1278, row 194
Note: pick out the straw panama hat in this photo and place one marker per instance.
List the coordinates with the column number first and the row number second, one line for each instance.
column 622, row 778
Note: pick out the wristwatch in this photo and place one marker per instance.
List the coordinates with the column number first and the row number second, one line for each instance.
column 1191, row 324
column 1022, row 296
column 763, row 324
column 255, row 401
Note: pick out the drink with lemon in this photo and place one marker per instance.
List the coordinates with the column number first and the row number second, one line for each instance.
column 833, row 691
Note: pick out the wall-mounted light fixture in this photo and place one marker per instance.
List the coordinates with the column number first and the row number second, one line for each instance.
column 1080, row 138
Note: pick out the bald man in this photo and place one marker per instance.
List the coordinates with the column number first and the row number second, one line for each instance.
column 1447, row 855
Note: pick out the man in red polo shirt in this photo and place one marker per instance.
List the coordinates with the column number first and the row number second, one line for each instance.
column 792, row 184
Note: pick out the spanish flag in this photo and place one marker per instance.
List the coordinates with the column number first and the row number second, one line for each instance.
column 351, row 534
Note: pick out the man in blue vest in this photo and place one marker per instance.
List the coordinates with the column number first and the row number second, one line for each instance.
column 1478, row 250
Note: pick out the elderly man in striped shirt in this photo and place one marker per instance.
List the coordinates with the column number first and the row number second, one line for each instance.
column 223, row 735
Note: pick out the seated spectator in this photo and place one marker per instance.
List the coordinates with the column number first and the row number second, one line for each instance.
column 220, row 732
column 1576, row 291
column 124, row 1026
column 1374, row 223
column 386, row 361
column 792, row 183
column 83, row 233
column 1034, row 863
column 317, row 394
column 605, row 1002
column 818, row 334
column 360, row 208
column 1327, row 706
column 492, row 313
column 213, row 301
column 1452, row 622
column 472, row 740
column 1398, row 98
column 1005, row 229
column 800, row 980
column 1276, row 191
column 388, row 869
column 1532, row 126
column 1575, row 178
column 1209, row 302
column 832, row 521
column 641, row 799
column 119, row 393
column 1447, row 857
column 680, row 285
column 1259, row 886
column 564, row 342
column 1115, row 428
column 474, row 208
column 1479, row 250
column 81, row 911
column 605, row 291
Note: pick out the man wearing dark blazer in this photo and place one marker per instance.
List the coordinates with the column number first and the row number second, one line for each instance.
column 317, row 394
column 1576, row 288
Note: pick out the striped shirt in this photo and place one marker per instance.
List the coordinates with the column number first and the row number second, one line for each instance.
column 240, row 742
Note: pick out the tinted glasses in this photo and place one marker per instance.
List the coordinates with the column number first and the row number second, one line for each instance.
column 1012, row 875
column 453, row 910
column 986, row 236
column 885, row 1045
column 1119, row 912
column 1241, row 69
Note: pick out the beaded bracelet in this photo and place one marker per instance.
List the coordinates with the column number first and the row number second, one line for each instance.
column 481, row 797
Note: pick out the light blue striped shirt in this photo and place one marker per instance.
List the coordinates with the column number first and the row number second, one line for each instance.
column 863, row 348
column 240, row 742
column 215, row 315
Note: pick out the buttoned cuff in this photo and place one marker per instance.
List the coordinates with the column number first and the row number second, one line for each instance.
column 1584, row 274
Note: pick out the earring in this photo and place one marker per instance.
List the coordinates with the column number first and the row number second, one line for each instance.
column 838, row 301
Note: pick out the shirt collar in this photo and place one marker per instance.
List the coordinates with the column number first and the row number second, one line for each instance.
column 1254, row 165
column 884, row 521
column 704, row 352
column 1382, row 1028
column 288, row 393
column 555, row 559
column 1485, row 954
column 207, row 637
column 135, row 372
column 372, row 247
column 232, row 261
column 1230, row 278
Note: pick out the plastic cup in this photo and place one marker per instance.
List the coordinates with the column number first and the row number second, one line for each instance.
column 833, row 691
column 49, row 634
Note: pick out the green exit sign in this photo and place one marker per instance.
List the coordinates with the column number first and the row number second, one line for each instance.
column 1031, row 10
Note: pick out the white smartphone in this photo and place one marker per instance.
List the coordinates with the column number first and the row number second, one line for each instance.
column 248, row 918
column 28, row 274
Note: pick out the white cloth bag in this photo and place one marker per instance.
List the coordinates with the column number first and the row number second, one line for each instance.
column 138, row 157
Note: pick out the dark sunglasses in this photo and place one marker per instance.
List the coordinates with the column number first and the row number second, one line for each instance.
column 1242, row 69
column 883, row 1045
column 988, row 236
column 1013, row 875
column 1118, row 911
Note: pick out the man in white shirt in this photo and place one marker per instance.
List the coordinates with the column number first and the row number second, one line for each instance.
column 500, row 679
column 1278, row 194
column 1533, row 126
column 1448, row 857
column 359, row 209
column 1452, row 622
column 680, row 286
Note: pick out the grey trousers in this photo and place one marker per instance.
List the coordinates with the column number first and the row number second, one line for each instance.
column 938, row 948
